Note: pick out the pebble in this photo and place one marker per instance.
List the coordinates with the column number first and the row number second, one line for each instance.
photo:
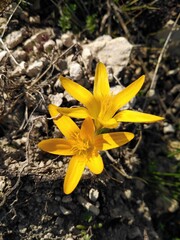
column 49, row 46
column 168, row 128
column 174, row 205
column 34, row 19
column 22, row 228
column 65, row 211
column 75, row 71
column 20, row 55
column 60, row 163
column 103, row 47
column 38, row 38
column 19, row 70
column 89, row 206
column 56, row 99
column 128, row 193
column 2, row 183
column 35, row 68
column 3, row 56
column 59, row 43
column 93, row 194
column 67, row 39
column 14, row 38
column 87, row 58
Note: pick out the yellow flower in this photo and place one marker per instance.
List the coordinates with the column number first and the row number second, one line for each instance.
column 82, row 144
column 102, row 106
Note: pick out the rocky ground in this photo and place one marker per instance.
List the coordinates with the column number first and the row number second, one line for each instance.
column 136, row 197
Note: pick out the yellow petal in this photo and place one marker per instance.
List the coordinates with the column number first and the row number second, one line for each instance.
column 134, row 116
column 78, row 92
column 101, row 83
column 75, row 112
column 95, row 164
column 56, row 146
column 87, row 129
column 102, row 123
column 108, row 141
column 128, row 93
column 74, row 173
column 64, row 123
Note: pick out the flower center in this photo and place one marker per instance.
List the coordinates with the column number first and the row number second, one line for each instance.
column 81, row 146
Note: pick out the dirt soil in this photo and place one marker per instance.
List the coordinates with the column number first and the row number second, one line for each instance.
column 136, row 196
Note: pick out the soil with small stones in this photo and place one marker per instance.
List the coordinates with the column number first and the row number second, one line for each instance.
column 136, row 196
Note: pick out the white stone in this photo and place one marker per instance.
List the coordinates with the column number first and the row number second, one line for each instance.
column 65, row 211
column 75, row 71
column 56, row 99
column 2, row 183
column 34, row 69
column 67, row 39
column 168, row 128
column 14, row 38
column 38, row 38
column 20, row 55
column 3, row 56
column 112, row 52
column 19, row 70
column 49, row 45
column 34, row 19
column 87, row 59
column 93, row 194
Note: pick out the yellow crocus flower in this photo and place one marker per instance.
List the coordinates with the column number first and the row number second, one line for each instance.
column 101, row 105
column 83, row 144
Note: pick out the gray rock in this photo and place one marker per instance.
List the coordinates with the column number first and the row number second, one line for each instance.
column 87, row 58
column 67, row 39
column 112, row 52
column 168, row 128
column 56, row 99
column 89, row 206
column 20, row 55
column 35, row 68
column 3, row 56
column 38, row 38
column 75, row 71
column 15, row 38
column 49, row 46
column 2, row 183
column 65, row 211
column 34, row 19
column 93, row 194
column 19, row 70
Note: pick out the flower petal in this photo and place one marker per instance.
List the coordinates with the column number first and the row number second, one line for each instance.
column 87, row 129
column 101, row 83
column 102, row 123
column 56, row 146
column 64, row 123
column 78, row 92
column 128, row 93
column 75, row 112
column 95, row 164
column 74, row 173
column 134, row 116
column 108, row 141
